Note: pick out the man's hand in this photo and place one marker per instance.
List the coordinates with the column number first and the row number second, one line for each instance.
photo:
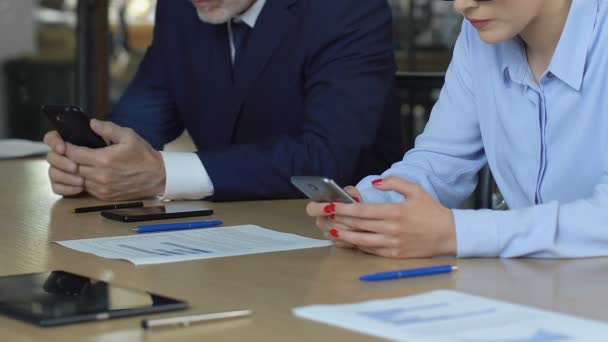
column 418, row 227
column 63, row 172
column 128, row 169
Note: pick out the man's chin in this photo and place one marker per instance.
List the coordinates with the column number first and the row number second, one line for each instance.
column 214, row 17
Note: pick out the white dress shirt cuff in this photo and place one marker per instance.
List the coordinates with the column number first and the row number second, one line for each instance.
column 186, row 177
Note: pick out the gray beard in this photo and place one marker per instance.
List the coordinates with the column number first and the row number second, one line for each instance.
column 224, row 18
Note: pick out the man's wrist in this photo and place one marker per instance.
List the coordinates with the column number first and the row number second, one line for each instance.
column 162, row 179
column 185, row 176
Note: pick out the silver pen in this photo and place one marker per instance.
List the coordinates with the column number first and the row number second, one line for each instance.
column 185, row 321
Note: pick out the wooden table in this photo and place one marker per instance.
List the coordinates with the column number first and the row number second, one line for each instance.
column 270, row 284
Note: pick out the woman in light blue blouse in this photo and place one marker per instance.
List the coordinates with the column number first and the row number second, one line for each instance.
column 526, row 93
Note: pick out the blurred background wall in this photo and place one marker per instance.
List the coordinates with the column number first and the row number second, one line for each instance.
column 16, row 38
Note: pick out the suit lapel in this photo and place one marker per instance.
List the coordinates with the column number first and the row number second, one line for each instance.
column 211, row 68
column 270, row 30
column 211, row 57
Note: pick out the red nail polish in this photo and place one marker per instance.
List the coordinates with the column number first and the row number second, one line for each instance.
column 334, row 232
column 330, row 208
column 356, row 198
column 377, row 182
column 332, row 217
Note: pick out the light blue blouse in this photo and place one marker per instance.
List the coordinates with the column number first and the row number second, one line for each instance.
column 547, row 144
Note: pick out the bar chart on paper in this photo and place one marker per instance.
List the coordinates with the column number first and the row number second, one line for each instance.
column 443, row 315
column 168, row 248
column 192, row 244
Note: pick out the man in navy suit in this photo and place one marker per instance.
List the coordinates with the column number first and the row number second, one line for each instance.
column 267, row 89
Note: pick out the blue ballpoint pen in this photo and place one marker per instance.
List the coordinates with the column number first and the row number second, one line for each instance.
column 407, row 273
column 150, row 228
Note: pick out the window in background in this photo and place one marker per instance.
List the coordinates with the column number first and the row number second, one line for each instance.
column 425, row 32
column 131, row 25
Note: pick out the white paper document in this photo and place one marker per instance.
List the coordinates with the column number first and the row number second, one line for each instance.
column 16, row 148
column 194, row 244
column 454, row 316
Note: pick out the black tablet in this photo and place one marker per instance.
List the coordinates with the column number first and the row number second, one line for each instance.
column 58, row 297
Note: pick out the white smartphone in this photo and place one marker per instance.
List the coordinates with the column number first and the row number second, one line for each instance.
column 321, row 189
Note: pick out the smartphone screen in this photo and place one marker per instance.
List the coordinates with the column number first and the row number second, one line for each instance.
column 321, row 189
column 168, row 211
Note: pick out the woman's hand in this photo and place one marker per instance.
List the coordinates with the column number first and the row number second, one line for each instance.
column 325, row 217
column 417, row 227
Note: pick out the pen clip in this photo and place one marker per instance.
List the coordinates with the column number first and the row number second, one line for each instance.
column 185, row 321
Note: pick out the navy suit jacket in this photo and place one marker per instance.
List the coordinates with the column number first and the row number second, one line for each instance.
column 312, row 94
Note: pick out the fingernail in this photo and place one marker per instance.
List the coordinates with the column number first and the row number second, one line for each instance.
column 334, row 232
column 330, row 208
column 377, row 182
column 356, row 198
column 332, row 217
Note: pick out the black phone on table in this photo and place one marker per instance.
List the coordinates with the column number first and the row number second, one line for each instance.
column 321, row 189
column 167, row 211
column 73, row 125
column 60, row 297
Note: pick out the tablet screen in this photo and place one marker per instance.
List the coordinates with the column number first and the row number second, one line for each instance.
column 60, row 297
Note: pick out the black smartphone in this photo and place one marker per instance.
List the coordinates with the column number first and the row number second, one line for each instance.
column 321, row 189
column 168, row 211
column 73, row 125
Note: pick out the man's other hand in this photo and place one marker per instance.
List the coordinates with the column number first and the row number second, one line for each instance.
column 63, row 172
column 128, row 169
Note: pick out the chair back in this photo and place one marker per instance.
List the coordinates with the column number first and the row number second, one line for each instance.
column 417, row 92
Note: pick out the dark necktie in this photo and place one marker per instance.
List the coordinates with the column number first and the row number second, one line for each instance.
column 240, row 35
